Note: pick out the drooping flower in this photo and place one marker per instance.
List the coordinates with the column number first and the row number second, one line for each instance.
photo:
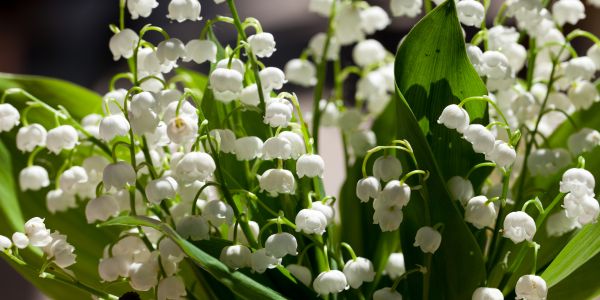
column 311, row 221
column 281, row 244
column 181, row 10
column 519, row 226
column 310, row 165
column 31, row 136
column 428, row 239
column 262, row 44
column 330, row 282
column 359, row 270
column 531, row 287
column 277, row 181
column 33, row 178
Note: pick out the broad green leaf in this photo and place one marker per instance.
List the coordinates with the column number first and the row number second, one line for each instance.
column 432, row 71
column 581, row 284
column 239, row 283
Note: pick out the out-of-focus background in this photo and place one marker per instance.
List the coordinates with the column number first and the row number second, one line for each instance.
column 68, row 39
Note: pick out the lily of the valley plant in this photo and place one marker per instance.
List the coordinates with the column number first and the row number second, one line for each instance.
column 470, row 159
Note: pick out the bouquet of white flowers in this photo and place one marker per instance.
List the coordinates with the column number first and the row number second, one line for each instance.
column 469, row 165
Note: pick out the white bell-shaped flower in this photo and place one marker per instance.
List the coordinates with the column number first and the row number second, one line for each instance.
column 195, row 166
column 559, row 223
column 302, row 273
column 428, row 239
column 262, row 44
column 169, row 51
column 236, row 64
column 63, row 137
column 311, row 221
column 568, row 11
column 368, row 52
column 59, row 201
column 113, row 126
column 278, row 112
column 580, row 68
column 160, row 189
column 31, row 136
column 577, row 181
column 171, row 288
column 387, row 167
column 297, row 141
column 277, row 181
column 9, row 117
column 531, row 287
column 503, row 154
column 362, row 141
column 144, row 275
column 73, row 176
column 36, row 231
column 141, row 8
column 148, row 62
column 327, row 210
column 395, row 267
column 271, row 78
column 394, row 193
column 193, row 227
column 20, row 240
column 519, row 226
column 359, row 270
column 226, row 84
column 60, row 251
column 460, row 189
column 481, row 138
column 235, row 256
column 114, row 100
column 6, row 243
column 582, row 94
column 123, row 43
column 33, row 178
column 260, row 261
column 386, row 294
column 301, row 72
column 470, row 12
column 132, row 248
column 101, row 208
column 276, row 148
column 118, row 175
column 547, row 161
column 182, row 129
column 486, row 293
column 330, row 282
column 583, row 140
column 409, row 8
column 367, row 188
column 330, row 114
column 350, row 119
column 454, row 117
column 348, row 24
column 111, row 268
column 317, row 45
column 281, row 244
column 248, row 148
column 495, row 65
column 242, row 238
column 226, row 139
column 480, row 213
column 181, row 10
column 593, row 52
column 218, row 212
column 388, row 215
column 583, row 208
column 250, row 96
column 200, row 51
column 169, row 250
column 310, row 165
column 374, row 18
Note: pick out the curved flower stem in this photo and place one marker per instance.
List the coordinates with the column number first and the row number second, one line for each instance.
column 480, row 165
column 374, row 150
column 349, row 249
column 420, row 269
column 493, row 104
column 194, row 204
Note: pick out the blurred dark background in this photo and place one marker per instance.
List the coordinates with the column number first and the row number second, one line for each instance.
column 68, row 39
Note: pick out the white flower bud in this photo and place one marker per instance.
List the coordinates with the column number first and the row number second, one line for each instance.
column 248, row 148
column 387, row 167
column 72, row 177
column 226, row 84
column 276, row 147
column 583, row 140
column 235, row 256
column 486, row 293
column 374, row 18
column 262, row 44
column 584, row 208
column 302, row 273
column 559, row 223
column 395, row 265
column 460, row 189
column 36, row 231
column 20, row 240
column 310, row 165
column 578, row 181
column 123, row 43
column 59, row 201
column 482, row 138
column 181, row 10
column 568, row 11
column 200, row 51
column 301, row 72
column 519, row 226
column 311, row 221
column 359, row 270
column 250, row 96
column 141, row 8
column 580, row 68
column 479, row 213
column 118, row 175
column 428, row 239
column 31, row 136
column 327, row 210
column 281, row 244
column 367, row 188
column 495, row 65
column 503, row 154
column 171, row 287
column 193, row 227
column 368, row 52
column 9, row 117
column 195, row 166
column 387, row 294
column 582, row 94
column 277, row 181
column 160, row 189
column 218, row 212
column 454, row 117
column 101, row 208
column 182, row 129
column 531, row 287
column 409, row 8
column 226, row 139
column 33, row 178
column 470, row 12
column 63, row 137
column 317, row 44
column 271, row 78
column 260, row 261
column 330, row 282
column 6, row 243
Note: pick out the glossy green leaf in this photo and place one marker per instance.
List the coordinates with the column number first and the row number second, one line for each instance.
column 239, row 283
column 581, row 284
column 432, row 71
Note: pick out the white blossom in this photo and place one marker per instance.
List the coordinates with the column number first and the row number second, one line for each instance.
column 6, row 243
column 59, row 201
column 487, row 293
column 350, row 119
column 359, row 270
column 301, row 72
column 374, row 18
column 481, row 138
column 480, row 213
column 580, row 68
column 559, row 223
column 118, row 175
column 276, row 148
column 262, row 44
column 460, row 189
column 113, row 126
column 33, row 178
column 60, row 251
column 248, row 148
column 321, row 7
column 72, row 177
column 271, row 78
column 218, row 212
column 277, row 181
column 302, row 273
column 454, row 117
column 226, row 139
column 367, row 188
column 428, row 239
column 368, row 52
column 194, row 227
column 144, row 275
column 387, row 167
column 395, row 267
column 260, row 261
column 327, row 210
column 317, row 44
column 36, row 231
column 348, row 23
column 577, row 181
column 409, row 8
column 568, row 11
column 31, row 136
column 495, row 65
column 546, row 162
column 330, row 282
column 182, row 129
column 181, row 10
column 250, row 96
column 123, row 43
column 519, row 226
column 531, row 287
column 195, row 166
column 171, row 287
column 236, row 64
column 278, row 112
column 226, row 84
column 470, row 12
column 235, row 256
column 310, row 165
column 297, row 142
column 584, row 140
column 361, row 141
column 200, row 51
column 101, row 208
column 141, row 8
column 20, row 240
column 582, row 94
column 584, row 208
column 502, row 154
column 386, row 294
column 162, row 188
column 311, row 221
column 281, row 244
column 63, row 137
